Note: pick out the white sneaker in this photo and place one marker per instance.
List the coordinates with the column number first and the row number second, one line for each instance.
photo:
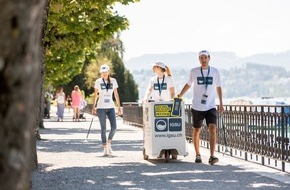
column 109, row 148
column 105, row 152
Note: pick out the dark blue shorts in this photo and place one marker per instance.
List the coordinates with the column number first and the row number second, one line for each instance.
column 210, row 117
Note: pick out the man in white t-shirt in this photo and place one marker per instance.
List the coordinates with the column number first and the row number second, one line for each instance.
column 206, row 85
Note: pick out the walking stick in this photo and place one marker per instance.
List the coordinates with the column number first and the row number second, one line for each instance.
column 224, row 130
column 90, row 128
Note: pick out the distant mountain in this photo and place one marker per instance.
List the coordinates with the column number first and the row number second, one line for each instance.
column 221, row 60
column 255, row 76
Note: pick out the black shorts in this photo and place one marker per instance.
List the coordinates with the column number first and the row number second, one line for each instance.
column 210, row 117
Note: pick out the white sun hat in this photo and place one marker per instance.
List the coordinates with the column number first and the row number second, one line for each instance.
column 159, row 64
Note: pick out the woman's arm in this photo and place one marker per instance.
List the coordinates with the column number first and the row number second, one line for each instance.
column 95, row 100
column 172, row 92
column 116, row 94
column 147, row 93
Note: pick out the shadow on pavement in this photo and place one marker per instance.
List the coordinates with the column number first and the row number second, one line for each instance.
column 131, row 175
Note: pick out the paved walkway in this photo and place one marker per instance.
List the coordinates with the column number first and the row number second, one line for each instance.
column 68, row 161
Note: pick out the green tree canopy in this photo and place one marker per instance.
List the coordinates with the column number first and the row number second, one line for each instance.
column 110, row 54
column 75, row 29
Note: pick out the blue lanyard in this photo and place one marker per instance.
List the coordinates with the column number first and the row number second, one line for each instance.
column 107, row 85
column 160, row 86
column 205, row 79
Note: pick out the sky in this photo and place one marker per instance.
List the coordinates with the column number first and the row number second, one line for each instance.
column 245, row 27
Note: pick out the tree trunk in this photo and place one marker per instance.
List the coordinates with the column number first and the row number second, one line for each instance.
column 20, row 59
column 43, row 65
column 42, row 70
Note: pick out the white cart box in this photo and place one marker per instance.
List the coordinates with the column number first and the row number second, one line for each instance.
column 164, row 134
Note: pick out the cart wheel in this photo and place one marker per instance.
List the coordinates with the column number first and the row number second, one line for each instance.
column 174, row 156
column 167, row 155
column 144, row 155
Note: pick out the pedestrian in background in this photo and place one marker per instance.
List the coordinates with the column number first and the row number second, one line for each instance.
column 161, row 86
column 47, row 102
column 60, row 99
column 104, row 89
column 76, row 96
column 69, row 101
column 206, row 84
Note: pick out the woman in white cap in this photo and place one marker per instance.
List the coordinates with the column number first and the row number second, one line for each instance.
column 161, row 87
column 104, row 89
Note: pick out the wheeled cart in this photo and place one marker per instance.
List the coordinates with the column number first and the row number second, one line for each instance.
column 163, row 132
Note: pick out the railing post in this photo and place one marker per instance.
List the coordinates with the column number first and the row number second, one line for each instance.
column 283, row 137
column 262, row 135
column 246, row 130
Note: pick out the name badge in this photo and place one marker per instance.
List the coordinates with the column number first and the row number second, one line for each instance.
column 107, row 98
column 163, row 86
column 103, row 87
column 206, row 80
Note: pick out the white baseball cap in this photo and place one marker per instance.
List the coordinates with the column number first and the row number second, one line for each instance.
column 159, row 64
column 203, row 52
column 104, row 68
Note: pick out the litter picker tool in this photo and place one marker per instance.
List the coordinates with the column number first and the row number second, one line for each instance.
column 89, row 128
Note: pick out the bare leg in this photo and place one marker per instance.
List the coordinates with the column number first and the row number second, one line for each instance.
column 75, row 113
column 212, row 138
column 195, row 138
column 78, row 113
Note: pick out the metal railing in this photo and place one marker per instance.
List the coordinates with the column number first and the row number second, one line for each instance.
column 133, row 114
column 258, row 133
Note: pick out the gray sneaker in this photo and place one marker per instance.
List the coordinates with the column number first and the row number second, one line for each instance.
column 212, row 160
column 198, row 159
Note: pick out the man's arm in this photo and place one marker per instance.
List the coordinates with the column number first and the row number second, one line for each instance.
column 184, row 89
column 220, row 96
